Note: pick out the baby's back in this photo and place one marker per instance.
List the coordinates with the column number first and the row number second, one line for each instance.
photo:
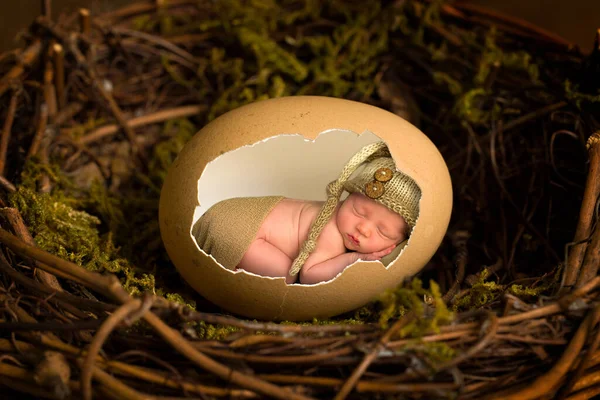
column 288, row 224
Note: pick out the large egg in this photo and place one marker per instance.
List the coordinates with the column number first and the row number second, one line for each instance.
column 295, row 146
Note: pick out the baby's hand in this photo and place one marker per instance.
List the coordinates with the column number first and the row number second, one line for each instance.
column 376, row 255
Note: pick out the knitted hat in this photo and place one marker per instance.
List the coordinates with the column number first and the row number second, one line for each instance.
column 378, row 180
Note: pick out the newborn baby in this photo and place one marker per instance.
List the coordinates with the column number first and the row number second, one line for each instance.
column 360, row 228
column 279, row 237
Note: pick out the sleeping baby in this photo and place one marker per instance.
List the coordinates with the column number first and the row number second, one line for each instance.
column 311, row 241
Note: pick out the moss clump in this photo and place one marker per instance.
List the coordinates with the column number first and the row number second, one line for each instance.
column 454, row 86
column 90, row 227
column 403, row 299
column 436, row 352
column 481, row 294
column 546, row 284
column 213, row 332
column 60, row 226
column 572, row 93
column 516, row 61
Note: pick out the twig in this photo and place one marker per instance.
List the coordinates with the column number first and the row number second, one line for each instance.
column 7, row 185
column 368, row 359
column 44, row 289
column 84, row 21
column 527, row 26
column 39, row 134
column 50, row 326
column 189, row 315
column 122, row 368
column 459, row 240
column 10, row 115
column 113, row 385
column 47, row 8
column 589, row 268
column 509, row 196
column 27, row 387
column 27, row 58
column 294, row 360
column 13, row 217
column 585, row 361
column 94, row 348
column 491, row 323
column 110, row 286
column 589, row 379
column 159, row 116
column 361, row 386
column 52, row 263
column 586, row 214
column 114, row 107
column 590, row 393
column 67, row 113
column 547, row 382
column 591, row 260
column 49, row 89
column 185, row 348
column 81, row 149
column 59, row 74
column 160, row 378
column 168, row 45
column 142, row 8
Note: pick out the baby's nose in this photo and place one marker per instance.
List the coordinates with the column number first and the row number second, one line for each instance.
column 363, row 229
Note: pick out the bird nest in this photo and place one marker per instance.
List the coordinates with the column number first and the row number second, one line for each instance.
column 93, row 110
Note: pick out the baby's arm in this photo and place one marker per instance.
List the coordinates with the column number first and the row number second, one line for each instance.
column 318, row 267
column 262, row 258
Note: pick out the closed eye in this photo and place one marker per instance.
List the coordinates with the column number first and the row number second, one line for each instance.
column 393, row 237
column 356, row 211
column 383, row 234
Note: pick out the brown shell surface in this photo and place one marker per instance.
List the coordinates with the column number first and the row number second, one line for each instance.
column 271, row 298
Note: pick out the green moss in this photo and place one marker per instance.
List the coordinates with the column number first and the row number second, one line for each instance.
column 481, row 294
column 454, row 86
column 546, row 284
column 470, row 107
column 143, row 23
column 92, row 123
column 436, row 352
column 213, row 332
column 517, row 61
column 59, row 227
column 177, row 298
column 403, row 299
column 174, row 73
column 573, row 94
column 89, row 228
column 270, row 55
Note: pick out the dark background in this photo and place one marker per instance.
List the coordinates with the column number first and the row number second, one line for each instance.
column 575, row 20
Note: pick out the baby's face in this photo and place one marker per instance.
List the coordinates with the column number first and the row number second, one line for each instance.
column 368, row 226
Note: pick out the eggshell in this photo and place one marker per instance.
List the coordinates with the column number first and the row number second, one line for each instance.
column 294, row 146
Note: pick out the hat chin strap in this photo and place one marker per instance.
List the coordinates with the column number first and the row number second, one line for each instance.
column 334, row 191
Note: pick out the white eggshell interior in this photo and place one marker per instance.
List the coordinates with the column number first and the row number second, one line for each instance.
column 285, row 165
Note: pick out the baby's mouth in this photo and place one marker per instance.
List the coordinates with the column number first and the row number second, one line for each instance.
column 354, row 239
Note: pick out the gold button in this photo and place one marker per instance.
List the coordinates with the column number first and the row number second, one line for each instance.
column 383, row 174
column 374, row 189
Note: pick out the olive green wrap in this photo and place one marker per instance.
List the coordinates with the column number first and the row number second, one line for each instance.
column 226, row 230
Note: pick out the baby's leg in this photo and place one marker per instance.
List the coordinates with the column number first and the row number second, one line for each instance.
column 262, row 258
